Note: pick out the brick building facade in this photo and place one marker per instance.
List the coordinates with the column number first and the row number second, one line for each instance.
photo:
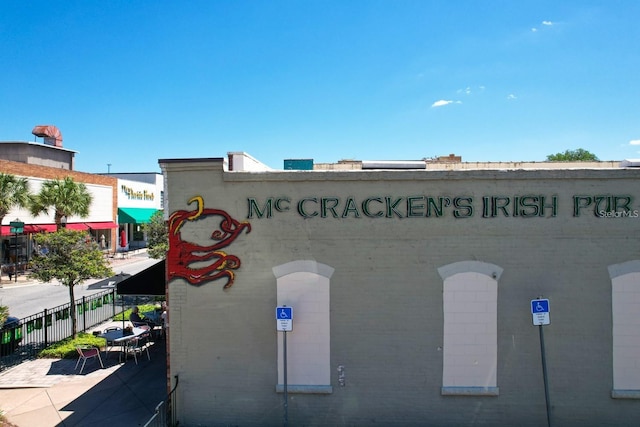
column 102, row 214
column 411, row 293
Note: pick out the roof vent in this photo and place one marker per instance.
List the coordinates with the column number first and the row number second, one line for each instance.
column 394, row 164
column 51, row 134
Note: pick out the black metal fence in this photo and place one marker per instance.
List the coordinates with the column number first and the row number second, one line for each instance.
column 26, row 338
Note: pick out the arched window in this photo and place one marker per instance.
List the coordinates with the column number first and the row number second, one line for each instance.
column 469, row 350
column 304, row 286
column 625, row 306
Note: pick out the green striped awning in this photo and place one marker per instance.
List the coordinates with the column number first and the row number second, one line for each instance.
column 135, row 215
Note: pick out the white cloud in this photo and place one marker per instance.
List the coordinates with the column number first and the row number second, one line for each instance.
column 443, row 102
column 511, row 96
column 634, row 142
column 543, row 23
column 440, row 103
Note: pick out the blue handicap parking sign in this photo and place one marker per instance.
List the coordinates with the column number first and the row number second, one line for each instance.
column 284, row 318
column 284, row 313
column 539, row 306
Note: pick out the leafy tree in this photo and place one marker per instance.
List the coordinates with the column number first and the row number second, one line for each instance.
column 14, row 192
column 73, row 257
column 579, row 155
column 66, row 197
column 158, row 236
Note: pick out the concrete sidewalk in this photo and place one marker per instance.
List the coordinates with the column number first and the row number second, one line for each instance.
column 50, row 392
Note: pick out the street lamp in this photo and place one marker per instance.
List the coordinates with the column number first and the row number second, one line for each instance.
column 17, row 226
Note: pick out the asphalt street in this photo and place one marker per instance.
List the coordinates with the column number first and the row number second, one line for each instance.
column 26, row 297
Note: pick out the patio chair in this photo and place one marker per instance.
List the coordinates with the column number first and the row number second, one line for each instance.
column 136, row 346
column 147, row 335
column 86, row 353
column 110, row 344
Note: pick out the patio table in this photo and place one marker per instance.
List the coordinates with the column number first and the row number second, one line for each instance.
column 118, row 337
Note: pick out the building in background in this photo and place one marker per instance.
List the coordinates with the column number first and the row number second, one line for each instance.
column 49, row 152
column 411, row 292
column 122, row 202
column 100, row 223
column 42, row 161
column 140, row 195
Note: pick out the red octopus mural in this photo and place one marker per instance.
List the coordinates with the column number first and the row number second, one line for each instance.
column 200, row 264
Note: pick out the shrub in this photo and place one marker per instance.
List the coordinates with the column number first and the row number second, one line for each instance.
column 143, row 309
column 66, row 349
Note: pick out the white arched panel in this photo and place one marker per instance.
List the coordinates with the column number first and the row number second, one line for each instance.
column 305, row 286
column 625, row 307
column 470, row 355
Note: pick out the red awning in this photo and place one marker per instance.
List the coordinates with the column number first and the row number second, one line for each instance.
column 101, row 225
column 47, row 227
column 29, row 228
column 50, row 228
column 6, row 230
column 76, row 226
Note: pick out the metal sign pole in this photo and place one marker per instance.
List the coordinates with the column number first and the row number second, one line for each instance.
column 286, row 396
column 544, row 376
column 17, row 226
column 540, row 315
column 15, row 261
column 284, row 323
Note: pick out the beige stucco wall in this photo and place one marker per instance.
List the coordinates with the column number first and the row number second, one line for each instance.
column 386, row 296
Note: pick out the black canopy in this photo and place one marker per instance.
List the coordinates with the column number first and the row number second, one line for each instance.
column 109, row 283
column 151, row 281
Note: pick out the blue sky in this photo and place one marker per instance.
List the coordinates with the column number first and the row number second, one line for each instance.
column 129, row 82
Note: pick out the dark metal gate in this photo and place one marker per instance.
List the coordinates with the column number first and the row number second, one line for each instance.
column 26, row 338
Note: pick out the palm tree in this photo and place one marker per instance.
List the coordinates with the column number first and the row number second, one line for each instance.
column 14, row 192
column 66, row 197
